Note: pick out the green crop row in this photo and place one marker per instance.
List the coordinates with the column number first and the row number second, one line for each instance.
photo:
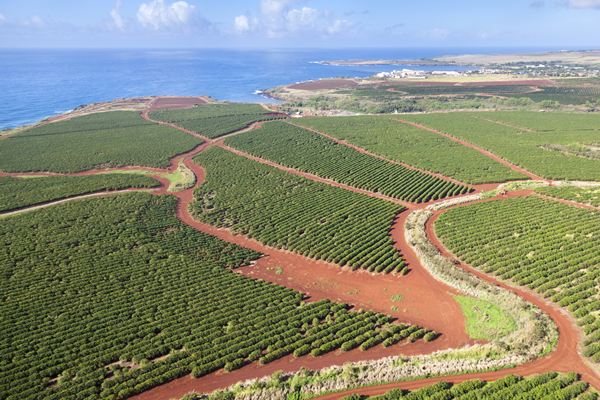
column 547, row 386
column 522, row 148
column 310, row 152
column 287, row 211
column 416, row 147
column 215, row 127
column 207, row 111
column 546, row 245
column 109, row 139
column 544, row 121
column 584, row 195
column 19, row 193
column 92, row 288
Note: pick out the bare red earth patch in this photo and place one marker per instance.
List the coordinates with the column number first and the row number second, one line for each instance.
column 323, row 84
column 176, row 102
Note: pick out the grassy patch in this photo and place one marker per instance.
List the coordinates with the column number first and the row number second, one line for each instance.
column 485, row 320
column 396, row 298
column 183, row 178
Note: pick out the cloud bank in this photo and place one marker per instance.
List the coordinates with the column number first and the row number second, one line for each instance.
column 279, row 18
column 175, row 17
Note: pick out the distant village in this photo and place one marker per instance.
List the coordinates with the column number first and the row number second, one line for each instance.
column 549, row 70
column 412, row 74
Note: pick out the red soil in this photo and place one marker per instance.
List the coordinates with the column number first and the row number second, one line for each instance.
column 162, row 103
column 323, row 84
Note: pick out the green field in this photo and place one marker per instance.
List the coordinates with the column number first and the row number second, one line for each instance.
column 310, row 152
column 215, row 127
column 484, row 319
column 585, row 195
column 19, row 193
column 114, row 296
column 519, row 147
column 547, row 386
column 214, row 120
column 104, row 140
column 287, row 211
column 203, row 111
column 544, row 121
column 416, row 147
column 545, row 245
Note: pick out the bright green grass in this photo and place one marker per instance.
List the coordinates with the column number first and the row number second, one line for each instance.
column 485, row 320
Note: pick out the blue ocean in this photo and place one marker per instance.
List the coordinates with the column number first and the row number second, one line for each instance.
column 36, row 84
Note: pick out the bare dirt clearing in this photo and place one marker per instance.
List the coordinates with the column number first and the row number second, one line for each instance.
column 176, row 102
column 323, row 84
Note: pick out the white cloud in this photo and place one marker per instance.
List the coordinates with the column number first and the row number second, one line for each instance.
column 584, row 4
column 276, row 7
column 2, row 18
column 117, row 19
column 339, row 26
column 241, row 24
column 436, row 34
column 159, row 15
column 38, row 22
column 279, row 19
column 299, row 19
column 483, row 35
column 394, row 30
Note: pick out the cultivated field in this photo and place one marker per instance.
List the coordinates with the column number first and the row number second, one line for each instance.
column 406, row 256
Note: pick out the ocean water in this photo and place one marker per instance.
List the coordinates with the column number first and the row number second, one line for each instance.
column 36, row 84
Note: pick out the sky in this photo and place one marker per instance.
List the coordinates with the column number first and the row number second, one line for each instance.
column 298, row 23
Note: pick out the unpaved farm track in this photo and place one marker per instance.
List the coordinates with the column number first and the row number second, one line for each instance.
column 427, row 302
